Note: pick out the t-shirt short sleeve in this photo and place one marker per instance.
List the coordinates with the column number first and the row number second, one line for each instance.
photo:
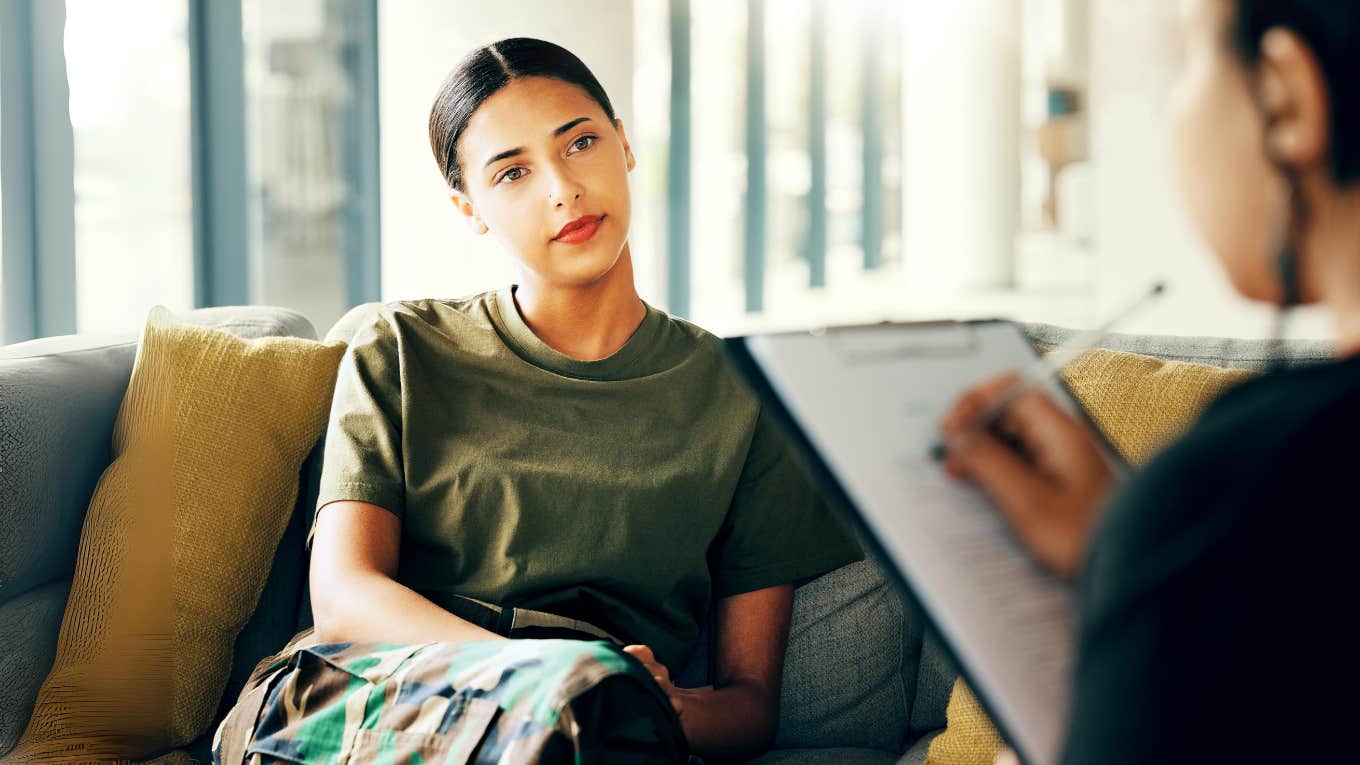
column 362, row 458
column 779, row 528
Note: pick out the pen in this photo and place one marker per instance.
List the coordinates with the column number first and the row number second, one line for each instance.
column 1044, row 368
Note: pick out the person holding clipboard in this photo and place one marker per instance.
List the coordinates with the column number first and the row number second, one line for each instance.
column 1216, row 585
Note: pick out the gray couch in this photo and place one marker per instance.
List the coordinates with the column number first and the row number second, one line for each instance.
column 863, row 682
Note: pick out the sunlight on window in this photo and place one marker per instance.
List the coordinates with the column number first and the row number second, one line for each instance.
column 2, row 261
column 128, row 68
column 860, row 42
column 300, row 102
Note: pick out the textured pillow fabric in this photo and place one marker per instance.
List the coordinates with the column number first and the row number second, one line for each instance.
column 179, row 537
column 969, row 737
column 59, row 397
column 1141, row 403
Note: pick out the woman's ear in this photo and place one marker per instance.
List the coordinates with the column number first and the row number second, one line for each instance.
column 464, row 204
column 627, row 150
column 1293, row 97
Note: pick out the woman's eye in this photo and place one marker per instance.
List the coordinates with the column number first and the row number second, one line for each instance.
column 583, row 143
column 513, row 174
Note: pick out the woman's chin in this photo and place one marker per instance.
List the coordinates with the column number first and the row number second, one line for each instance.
column 1251, row 280
column 582, row 269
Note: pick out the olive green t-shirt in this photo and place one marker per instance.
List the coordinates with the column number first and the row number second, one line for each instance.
column 629, row 492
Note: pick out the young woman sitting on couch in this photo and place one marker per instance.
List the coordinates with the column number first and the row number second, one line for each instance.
column 554, row 459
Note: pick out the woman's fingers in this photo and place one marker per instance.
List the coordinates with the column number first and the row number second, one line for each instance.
column 1007, row 478
column 660, row 674
column 974, row 400
column 641, row 652
column 644, row 655
column 1042, row 467
column 1034, row 508
column 1046, row 433
column 1055, row 439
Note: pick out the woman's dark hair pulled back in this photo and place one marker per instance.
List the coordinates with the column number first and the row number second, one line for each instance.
column 1331, row 29
column 488, row 69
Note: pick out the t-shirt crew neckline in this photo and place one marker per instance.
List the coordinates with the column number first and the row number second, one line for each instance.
column 529, row 346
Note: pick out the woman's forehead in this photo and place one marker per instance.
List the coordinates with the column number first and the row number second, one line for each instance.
column 526, row 110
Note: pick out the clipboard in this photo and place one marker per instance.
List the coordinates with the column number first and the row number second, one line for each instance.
column 860, row 405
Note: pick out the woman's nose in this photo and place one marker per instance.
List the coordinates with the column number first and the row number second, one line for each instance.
column 565, row 188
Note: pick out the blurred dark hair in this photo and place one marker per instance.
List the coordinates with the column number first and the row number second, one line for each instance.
column 488, row 69
column 1331, row 29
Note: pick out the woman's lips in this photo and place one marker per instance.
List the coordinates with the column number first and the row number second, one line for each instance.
column 579, row 230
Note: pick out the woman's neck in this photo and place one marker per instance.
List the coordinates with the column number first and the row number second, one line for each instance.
column 586, row 323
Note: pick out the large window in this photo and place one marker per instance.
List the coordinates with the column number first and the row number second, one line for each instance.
column 2, row 239
column 128, row 68
column 187, row 153
column 861, row 160
column 794, row 154
column 718, row 90
column 801, row 162
column 305, row 166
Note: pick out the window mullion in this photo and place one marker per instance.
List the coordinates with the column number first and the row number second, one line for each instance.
column 38, row 181
column 217, row 103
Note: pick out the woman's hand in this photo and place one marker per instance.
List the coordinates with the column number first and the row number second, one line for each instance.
column 1049, row 481
column 659, row 673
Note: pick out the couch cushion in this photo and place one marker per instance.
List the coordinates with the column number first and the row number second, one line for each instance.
column 208, row 443
column 356, row 317
column 28, row 630
column 244, row 321
column 825, row 756
column 56, row 420
column 1223, row 352
column 1143, row 403
column 916, row 755
column 58, row 400
column 936, row 673
column 843, row 683
column 969, row 738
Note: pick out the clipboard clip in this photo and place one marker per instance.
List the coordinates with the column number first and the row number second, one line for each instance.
column 890, row 341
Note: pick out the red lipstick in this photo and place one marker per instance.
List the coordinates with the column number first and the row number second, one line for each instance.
column 579, row 230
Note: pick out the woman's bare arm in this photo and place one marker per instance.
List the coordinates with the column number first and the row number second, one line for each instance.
column 355, row 595
column 752, row 633
column 735, row 719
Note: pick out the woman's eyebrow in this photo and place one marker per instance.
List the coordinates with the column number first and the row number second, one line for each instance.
column 569, row 126
column 507, row 153
column 520, row 149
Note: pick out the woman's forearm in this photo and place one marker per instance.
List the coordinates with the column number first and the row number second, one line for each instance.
column 372, row 607
column 733, row 723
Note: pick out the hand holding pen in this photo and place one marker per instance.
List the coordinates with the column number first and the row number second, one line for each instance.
column 1044, row 468
column 1046, row 368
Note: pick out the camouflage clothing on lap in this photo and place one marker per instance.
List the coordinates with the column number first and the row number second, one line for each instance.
column 494, row 701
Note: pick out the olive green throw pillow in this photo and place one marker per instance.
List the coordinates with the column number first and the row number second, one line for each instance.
column 179, row 538
column 1141, row 403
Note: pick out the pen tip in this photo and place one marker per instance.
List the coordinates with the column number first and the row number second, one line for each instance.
column 1158, row 288
column 937, row 451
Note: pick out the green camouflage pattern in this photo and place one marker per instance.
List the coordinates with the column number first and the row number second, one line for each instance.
column 493, row 701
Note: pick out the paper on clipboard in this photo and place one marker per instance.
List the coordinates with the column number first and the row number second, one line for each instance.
column 869, row 400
